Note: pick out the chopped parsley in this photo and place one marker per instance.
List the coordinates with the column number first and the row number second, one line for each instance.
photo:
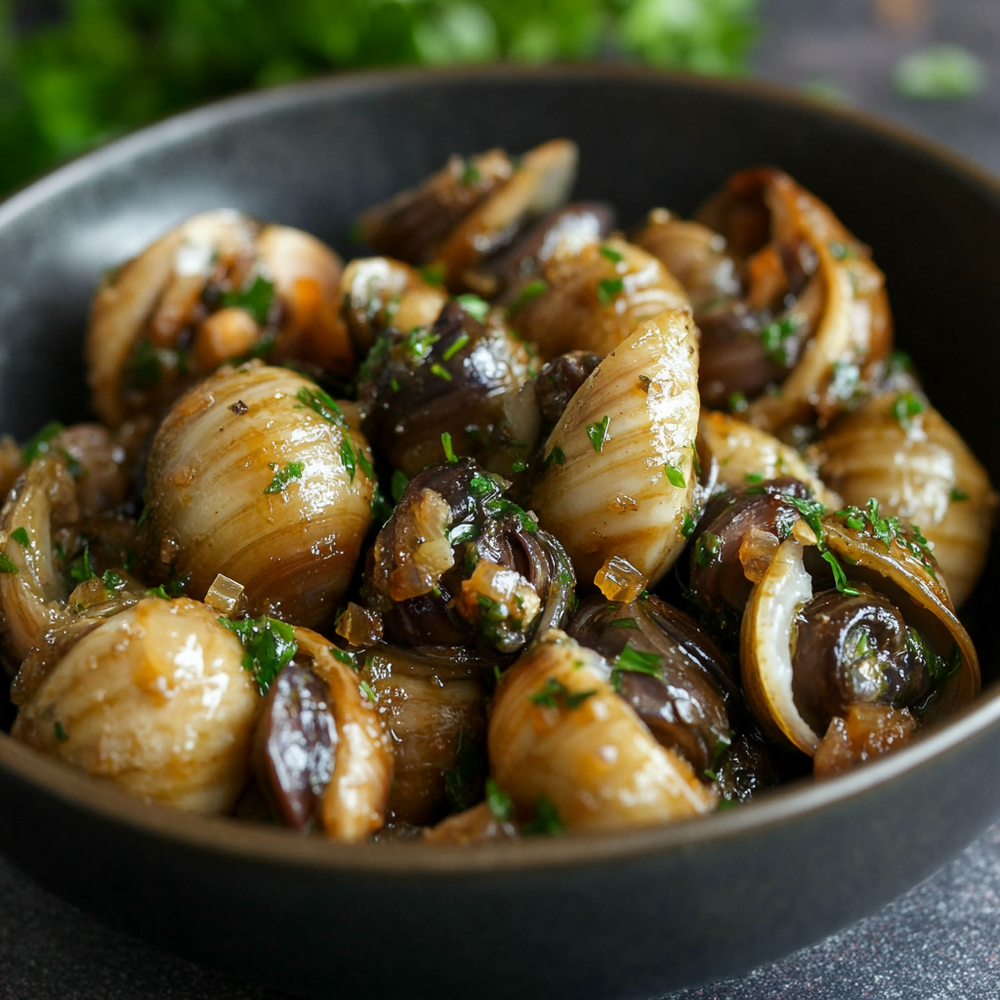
column 557, row 455
column 433, row 274
column 775, row 339
column 6, row 566
column 811, row 511
column 398, row 484
column 706, row 549
column 268, row 645
column 457, row 344
column 554, row 693
column 40, row 443
column 955, row 495
column 598, row 433
column 476, row 307
column 441, row 372
column 113, row 582
column 623, row 623
column 470, row 174
column 449, row 451
column 20, row 535
column 498, row 507
column 674, row 476
column 348, row 457
column 81, row 570
column 461, row 782
column 608, row 289
column 343, row 656
column 689, row 524
column 638, row 662
column 842, row 251
column 738, row 402
column 282, row 477
column 613, row 255
column 530, row 291
column 547, row 822
column 752, row 478
column 905, row 407
column 60, row 730
column 887, row 530
column 322, row 404
column 499, row 802
column 366, row 689
column 257, row 299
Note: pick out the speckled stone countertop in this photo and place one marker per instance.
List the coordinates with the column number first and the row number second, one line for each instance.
column 941, row 941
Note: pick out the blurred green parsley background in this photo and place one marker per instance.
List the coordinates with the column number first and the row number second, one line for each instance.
column 79, row 72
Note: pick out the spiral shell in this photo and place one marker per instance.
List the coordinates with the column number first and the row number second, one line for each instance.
column 233, row 284
column 258, row 475
column 745, row 453
column 558, row 731
column 354, row 802
column 594, row 296
column 919, row 469
column 619, row 478
column 155, row 700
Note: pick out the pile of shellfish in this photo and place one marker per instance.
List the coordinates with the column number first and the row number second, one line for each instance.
column 519, row 525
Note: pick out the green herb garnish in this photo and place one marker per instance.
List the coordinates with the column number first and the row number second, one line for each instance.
column 608, row 289
column 499, row 802
column 322, row 404
column 674, row 476
column 955, row 495
column 598, row 433
column 546, row 823
column 775, row 339
column 257, row 299
column 441, row 372
column 397, row 484
column 6, row 566
column 433, row 274
column 905, row 407
column 557, row 455
column 554, row 693
column 60, row 730
column 706, row 549
column 613, row 255
column 476, row 307
column 449, row 451
column 20, row 535
column 282, row 477
column 268, row 645
column 457, row 344
column 530, row 291
column 81, row 570
column 40, row 443
column 461, row 782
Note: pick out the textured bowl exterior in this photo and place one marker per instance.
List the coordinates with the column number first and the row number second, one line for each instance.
column 628, row 915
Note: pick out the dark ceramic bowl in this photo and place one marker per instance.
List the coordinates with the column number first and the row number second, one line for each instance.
column 617, row 916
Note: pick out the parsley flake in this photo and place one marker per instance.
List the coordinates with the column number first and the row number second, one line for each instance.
column 598, row 433
column 608, row 289
column 60, row 730
column 282, row 477
column 20, row 535
column 476, row 307
column 457, row 344
column 905, row 407
column 257, row 299
column 557, row 455
column 499, row 802
column 674, row 476
column 441, row 372
column 554, row 693
column 547, row 822
column 955, row 495
column 530, row 291
column 6, row 566
column 449, row 451
column 613, row 255
column 40, row 443
column 322, row 404
column 268, row 645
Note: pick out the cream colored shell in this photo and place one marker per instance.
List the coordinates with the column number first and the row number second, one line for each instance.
column 595, row 760
column 213, row 463
column 619, row 501
column 154, row 699
column 923, row 473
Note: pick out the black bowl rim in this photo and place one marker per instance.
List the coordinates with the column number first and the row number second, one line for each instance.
column 276, row 847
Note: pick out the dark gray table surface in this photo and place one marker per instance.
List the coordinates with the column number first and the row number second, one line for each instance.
column 938, row 942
